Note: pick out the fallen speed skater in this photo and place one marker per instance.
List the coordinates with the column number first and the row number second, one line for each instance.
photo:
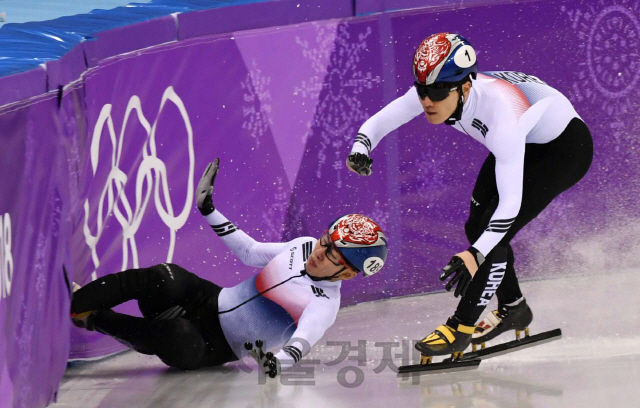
column 190, row 322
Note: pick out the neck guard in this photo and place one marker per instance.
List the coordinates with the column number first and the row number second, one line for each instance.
column 457, row 114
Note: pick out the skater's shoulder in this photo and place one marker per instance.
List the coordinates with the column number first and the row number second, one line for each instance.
column 302, row 242
column 298, row 250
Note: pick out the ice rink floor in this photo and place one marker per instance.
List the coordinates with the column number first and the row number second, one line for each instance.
column 595, row 364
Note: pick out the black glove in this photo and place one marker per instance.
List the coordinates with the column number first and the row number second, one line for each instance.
column 268, row 361
column 360, row 163
column 460, row 270
column 461, row 276
column 204, row 191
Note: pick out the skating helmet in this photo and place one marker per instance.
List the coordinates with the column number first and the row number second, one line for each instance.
column 444, row 57
column 360, row 241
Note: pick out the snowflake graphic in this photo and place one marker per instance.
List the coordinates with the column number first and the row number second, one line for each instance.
column 338, row 87
column 609, row 73
column 257, row 109
column 295, row 221
column 277, row 208
column 430, row 173
column 325, row 44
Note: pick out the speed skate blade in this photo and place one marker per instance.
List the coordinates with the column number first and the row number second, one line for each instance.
column 443, row 367
column 515, row 345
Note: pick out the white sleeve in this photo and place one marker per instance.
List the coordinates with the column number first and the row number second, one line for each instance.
column 389, row 118
column 317, row 317
column 247, row 249
column 508, row 147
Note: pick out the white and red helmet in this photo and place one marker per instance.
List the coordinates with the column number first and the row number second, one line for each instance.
column 444, row 57
column 361, row 242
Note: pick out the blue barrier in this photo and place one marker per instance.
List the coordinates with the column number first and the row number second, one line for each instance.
column 27, row 45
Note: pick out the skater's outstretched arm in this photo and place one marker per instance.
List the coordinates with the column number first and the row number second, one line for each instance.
column 247, row 249
column 389, row 118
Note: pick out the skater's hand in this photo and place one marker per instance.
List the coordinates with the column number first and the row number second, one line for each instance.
column 469, row 261
column 461, row 268
column 204, row 192
column 268, row 362
column 460, row 275
column 359, row 163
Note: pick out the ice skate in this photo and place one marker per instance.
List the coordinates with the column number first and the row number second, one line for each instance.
column 451, row 338
column 82, row 320
column 498, row 321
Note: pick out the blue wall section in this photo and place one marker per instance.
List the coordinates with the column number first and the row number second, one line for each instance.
column 22, row 11
column 27, row 45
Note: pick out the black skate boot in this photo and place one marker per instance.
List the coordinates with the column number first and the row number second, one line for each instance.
column 451, row 338
column 495, row 323
column 82, row 320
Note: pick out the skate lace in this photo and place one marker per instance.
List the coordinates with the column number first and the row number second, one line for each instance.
column 501, row 313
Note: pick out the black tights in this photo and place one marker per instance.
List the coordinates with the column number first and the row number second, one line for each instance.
column 549, row 169
column 180, row 323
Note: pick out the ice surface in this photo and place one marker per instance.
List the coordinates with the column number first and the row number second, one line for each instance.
column 595, row 364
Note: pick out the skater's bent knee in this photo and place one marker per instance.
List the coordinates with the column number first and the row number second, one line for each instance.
column 169, row 270
column 184, row 345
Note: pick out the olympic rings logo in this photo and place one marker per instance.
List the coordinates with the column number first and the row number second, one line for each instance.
column 151, row 173
column 6, row 258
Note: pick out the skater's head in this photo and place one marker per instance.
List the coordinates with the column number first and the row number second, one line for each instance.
column 443, row 66
column 353, row 243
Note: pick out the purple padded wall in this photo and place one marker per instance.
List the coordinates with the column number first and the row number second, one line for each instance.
column 23, row 86
column 259, row 15
column 34, row 299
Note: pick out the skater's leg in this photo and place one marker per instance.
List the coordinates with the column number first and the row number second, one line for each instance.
column 549, row 170
column 177, row 342
column 482, row 287
column 205, row 319
column 171, row 289
column 114, row 289
column 157, row 289
column 509, row 290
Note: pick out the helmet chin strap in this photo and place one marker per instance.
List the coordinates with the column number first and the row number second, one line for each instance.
column 457, row 114
column 324, row 278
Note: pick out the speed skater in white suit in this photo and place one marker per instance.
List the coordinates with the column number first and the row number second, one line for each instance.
column 538, row 147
